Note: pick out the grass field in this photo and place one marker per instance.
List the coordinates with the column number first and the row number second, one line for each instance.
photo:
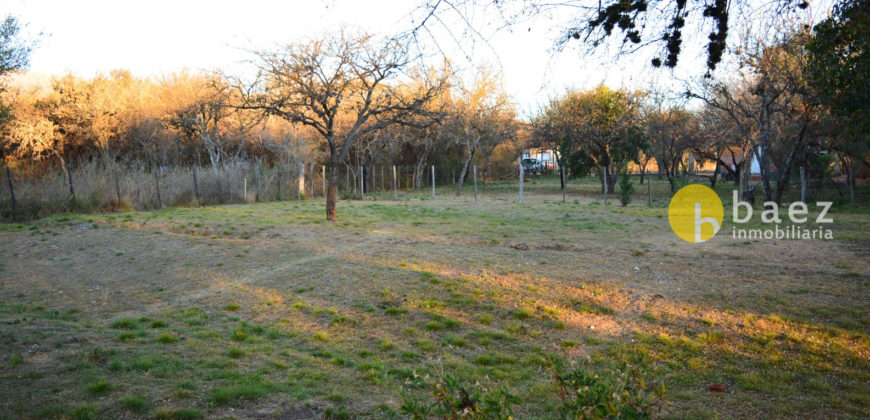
column 266, row 310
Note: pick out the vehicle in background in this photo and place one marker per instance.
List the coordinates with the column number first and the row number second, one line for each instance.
column 533, row 166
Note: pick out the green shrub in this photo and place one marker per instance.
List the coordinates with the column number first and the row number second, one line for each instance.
column 622, row 392
column 626, row 187
column 454, row 400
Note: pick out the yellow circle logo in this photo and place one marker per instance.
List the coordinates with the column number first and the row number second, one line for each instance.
column 695, row 213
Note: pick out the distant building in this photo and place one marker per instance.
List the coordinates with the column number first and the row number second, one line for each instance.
column 546, row 156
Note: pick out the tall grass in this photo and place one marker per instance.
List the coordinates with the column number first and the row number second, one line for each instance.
column 95, row 188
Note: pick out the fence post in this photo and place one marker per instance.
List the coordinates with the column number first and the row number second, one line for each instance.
column 362, row 182
column 257, row 180
column 520, row 161
column 12, row 194
column 395, row 186
column 475, row 182
column 245, row 189
column 300, row 180
column 648, row 193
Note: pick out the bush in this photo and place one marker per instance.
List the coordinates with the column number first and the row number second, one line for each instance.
column 626, row 187
column 610, row 393
column 455, row 400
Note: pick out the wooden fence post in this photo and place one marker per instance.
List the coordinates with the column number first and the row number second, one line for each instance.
column 395, row 185
column 520, row 161
column 362, row 182
column 257, row 180
column 300, row 180
column 648, row 193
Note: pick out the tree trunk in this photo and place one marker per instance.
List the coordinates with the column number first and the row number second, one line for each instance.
column 475, row 183
column 278, row 184
column 803, row 173
column 157, row 186
column 605, row 185
column 72, row 190
column 520, row 161
column 195, row 186
column 485, row 173
column 331, row 192
column 562, row 178
column 117, row 187
column 463, row 173
column 12, row 194
column 323, row 180
column 419, row 168
column 648, row 194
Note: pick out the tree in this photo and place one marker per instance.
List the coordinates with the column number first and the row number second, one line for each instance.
column 642, row 24
column 670, row 133
column 609, row 131
column 478, row 116
column 772, row 105
column 839, row 68
column 316, row 82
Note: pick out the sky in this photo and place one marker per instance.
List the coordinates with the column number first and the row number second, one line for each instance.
column 157, row 37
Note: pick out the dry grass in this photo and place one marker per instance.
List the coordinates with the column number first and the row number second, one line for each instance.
column 262, row 310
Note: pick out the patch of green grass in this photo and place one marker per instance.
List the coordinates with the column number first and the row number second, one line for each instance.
column 322, row 336
column 250, row 391
column 167, row 339
column 235, row 353
column 425, row 345
column 135, row 403
column 232, row 307
column 125, row 324
column 395, row 310
column 523, row 313
column 429, row 277
column 179, row 414
column 455, row 340
column 85, row 412
column 99, row 387
column 239, row 334
column 493, row 359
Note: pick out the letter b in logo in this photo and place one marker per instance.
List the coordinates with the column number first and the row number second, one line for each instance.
column 695, row 213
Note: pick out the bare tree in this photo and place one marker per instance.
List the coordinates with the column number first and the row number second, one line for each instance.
column 318, row 82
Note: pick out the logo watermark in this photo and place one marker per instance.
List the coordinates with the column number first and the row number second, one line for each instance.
column 695, row 214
